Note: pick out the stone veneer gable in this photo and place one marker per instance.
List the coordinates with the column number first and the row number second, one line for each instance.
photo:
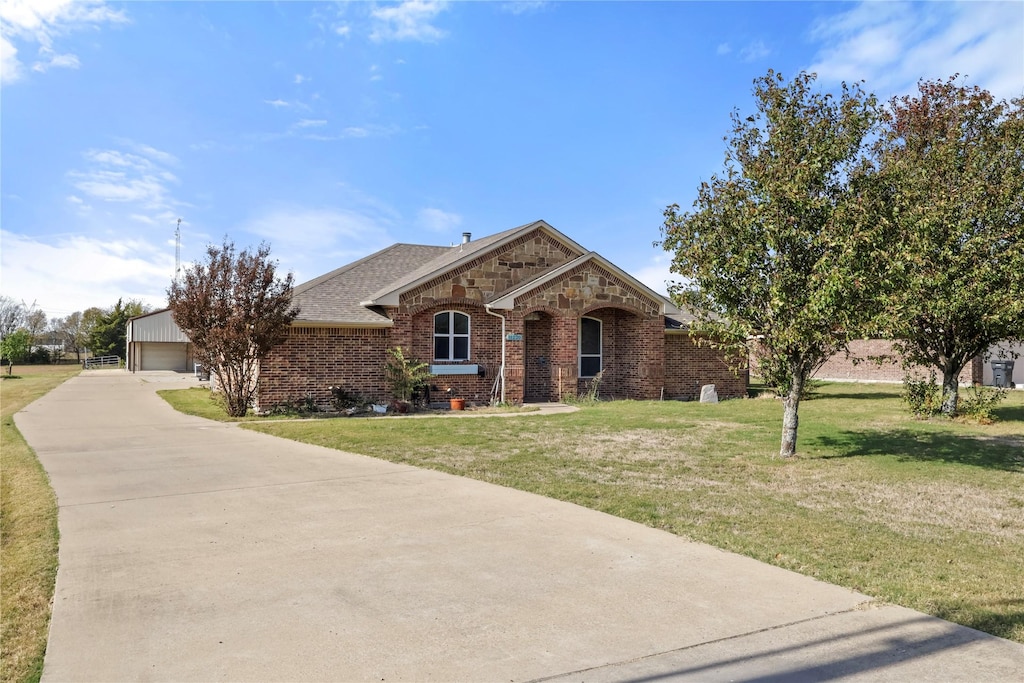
column 493, row 272
column 588, row 287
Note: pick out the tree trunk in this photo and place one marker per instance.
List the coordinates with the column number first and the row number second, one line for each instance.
column 790, row 418
column 950, row 389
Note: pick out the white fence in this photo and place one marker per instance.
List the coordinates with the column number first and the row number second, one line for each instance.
column 103, row 362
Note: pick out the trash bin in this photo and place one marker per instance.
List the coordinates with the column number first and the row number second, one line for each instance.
column 1002, row 373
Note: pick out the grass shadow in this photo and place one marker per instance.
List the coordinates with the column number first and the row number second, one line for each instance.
column 1003, row 618
column 1009, row 413
column 1004, row 453
column 869, row 395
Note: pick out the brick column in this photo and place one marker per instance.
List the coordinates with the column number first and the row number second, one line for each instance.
column 564, row 355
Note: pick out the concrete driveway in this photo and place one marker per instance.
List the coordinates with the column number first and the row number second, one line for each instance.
column 196, row 551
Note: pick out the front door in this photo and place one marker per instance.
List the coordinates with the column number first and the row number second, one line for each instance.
column 537, row 350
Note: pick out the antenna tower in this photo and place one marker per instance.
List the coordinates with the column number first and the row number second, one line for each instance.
column 177, row 251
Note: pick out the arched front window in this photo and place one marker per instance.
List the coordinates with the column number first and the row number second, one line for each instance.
column 451, row 336
column 590, row 347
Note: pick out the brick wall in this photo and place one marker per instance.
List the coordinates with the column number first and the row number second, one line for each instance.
column 688, row 366
column 312, row 359
column 841, row 366
column 484, row 348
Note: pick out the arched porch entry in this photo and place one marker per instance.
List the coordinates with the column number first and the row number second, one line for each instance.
column 627, row 349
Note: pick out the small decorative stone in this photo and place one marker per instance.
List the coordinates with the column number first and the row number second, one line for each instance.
column 708, row 394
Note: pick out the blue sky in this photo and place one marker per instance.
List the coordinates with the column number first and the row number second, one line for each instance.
column 332, row 130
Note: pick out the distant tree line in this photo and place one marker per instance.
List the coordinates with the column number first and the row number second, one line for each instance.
column 28, row 336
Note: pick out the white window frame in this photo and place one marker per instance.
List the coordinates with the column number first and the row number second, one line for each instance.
column 452, row 335
column 579, row 346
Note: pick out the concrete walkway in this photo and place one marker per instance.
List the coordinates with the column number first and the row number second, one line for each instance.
column 197, row 551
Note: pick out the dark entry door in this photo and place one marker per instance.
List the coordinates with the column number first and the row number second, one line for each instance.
column 537, row 378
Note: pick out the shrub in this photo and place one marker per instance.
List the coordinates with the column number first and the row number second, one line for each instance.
column 591, row 395
column 978, row 403
column 405, row 375
column 922, row 396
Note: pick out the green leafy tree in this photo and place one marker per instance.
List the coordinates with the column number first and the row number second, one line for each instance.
column 16, row 346
column 951, row 172
column 109, row 333
column 777, row 253
column 90, row 318
column 234, row 309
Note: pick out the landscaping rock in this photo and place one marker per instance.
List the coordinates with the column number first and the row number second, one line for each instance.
column 708, row 394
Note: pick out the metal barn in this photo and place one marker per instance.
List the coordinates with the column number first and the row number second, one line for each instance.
column 155, row 342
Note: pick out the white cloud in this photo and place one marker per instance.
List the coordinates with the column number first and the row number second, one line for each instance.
column 754, row 51
column 343, row 30
column 43, row 23
column 10, row 68
column 723, row 49
column 116, row 176
column 67, row 61
column 310, row 123
column 300, row 79
column 409, row 20
column 436, row 220
column 523, row 6
column 892, row 45
column 656, row 273
column 313, row 241
column 72, row 273
column 277, row 103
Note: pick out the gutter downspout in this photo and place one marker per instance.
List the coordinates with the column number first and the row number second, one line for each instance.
column 501, row 371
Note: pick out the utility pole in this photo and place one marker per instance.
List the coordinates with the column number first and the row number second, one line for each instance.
column 177, row 251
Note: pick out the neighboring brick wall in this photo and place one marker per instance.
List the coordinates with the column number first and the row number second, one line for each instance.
column 841, row 366
column 688, row 366
column 312, row 359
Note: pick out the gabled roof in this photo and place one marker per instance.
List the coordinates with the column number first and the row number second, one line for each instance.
column 507, row 300
column 455, row 257
column 354, row 294
column 334, row 298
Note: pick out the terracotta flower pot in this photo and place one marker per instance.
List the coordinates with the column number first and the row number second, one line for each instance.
column 458, row 403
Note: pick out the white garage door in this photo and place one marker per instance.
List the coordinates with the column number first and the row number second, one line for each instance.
column 162, row 356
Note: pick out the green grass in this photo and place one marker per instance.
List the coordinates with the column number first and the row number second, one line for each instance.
column 200, row 401
column 28, row 530
column 925, row 514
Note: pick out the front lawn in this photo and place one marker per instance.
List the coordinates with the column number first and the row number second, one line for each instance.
column 28, row 529
column 925, row 514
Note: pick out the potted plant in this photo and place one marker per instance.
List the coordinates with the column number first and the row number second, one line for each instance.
column 455, row 403
column 404, row 375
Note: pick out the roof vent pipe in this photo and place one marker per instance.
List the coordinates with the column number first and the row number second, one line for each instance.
column 466, row 236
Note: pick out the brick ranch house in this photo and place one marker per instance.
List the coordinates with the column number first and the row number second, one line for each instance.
column 525, row 315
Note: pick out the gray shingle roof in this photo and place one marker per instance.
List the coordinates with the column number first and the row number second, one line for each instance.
column 335, row 297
